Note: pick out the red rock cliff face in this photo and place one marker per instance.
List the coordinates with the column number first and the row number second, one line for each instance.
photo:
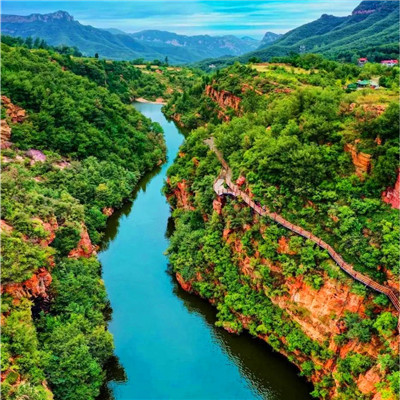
column 392, row 195
column 319, row 312
column 361, row 161
column 85, row 248
column 224, row 98
column 182, row 195
column 5, row 134
column 15, row 113
column 36, row 286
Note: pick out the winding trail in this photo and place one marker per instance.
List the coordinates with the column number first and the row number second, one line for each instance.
column 226, row 177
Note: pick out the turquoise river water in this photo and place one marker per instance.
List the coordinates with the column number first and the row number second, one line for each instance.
column 166, row 344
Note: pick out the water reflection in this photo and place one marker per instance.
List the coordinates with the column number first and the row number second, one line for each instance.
column 165, row 338
column 115, row 372
column 113, row 221
column 258, row 363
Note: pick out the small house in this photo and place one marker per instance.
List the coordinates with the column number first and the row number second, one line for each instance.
column 389, row 63
column 363, row 84
column 351, row 87
column 362, row 61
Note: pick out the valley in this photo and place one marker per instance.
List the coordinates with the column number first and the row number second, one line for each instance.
column 176, row 329
column 200, row 216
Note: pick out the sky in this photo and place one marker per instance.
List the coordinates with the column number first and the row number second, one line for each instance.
column 191, row 17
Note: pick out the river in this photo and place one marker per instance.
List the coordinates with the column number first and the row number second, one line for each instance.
column 165, row 339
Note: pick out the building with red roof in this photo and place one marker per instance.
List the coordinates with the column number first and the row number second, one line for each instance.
column 389, row 63
column 362, row 61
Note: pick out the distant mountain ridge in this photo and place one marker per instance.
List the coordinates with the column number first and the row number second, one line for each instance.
column 60, row 28
column 371, row 24
column 58, row 15
column 372, row 30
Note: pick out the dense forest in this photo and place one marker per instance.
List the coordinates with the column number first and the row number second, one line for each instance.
column 128, row 79
column 302, row 137
column 72, row 151
column 302, row 144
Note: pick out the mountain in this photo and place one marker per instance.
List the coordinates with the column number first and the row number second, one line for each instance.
column 199, row 46
column 269, row 38
column 372, row 30
column 60, row 28
column 372, row 27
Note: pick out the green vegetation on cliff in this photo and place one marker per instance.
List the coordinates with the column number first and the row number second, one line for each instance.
column 321, row 157
column 74, row 154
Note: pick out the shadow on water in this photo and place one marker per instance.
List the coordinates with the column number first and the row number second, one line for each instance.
column 269, row 372
column 114, row 220
column 198, row 344
column 114, row 373
column 257, row 361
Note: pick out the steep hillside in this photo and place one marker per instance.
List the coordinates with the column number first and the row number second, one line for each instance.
column 376, row 29
column 324, row 160
column 268, row 39
column 372, row 30
column 72, row 152
column 60, row 28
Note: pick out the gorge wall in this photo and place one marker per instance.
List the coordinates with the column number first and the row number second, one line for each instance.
column 327, row 314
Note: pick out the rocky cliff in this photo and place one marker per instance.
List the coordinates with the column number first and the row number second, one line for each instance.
column 392, row 195
column 361, row 161
column 325, row 313
column 30, row 260
column 373, row 6
column 224, row 99
column 18, row 19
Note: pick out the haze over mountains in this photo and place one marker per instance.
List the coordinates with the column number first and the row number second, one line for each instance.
column 60, row 28
column 372, row 30
column 371, row 24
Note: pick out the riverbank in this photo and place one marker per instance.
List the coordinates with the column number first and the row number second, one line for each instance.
column 159, row 100
column 166, row 339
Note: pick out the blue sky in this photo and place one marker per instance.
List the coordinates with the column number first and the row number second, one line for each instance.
column 191, row 17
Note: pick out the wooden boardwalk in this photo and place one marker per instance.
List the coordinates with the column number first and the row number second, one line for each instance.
column 234, row 190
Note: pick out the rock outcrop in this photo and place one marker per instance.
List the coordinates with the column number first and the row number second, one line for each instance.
column 35, row 156
column 217, row 205
column 184, row 285
column 392, row 195
column 85, row 248
column 15, row 113
column 361, row 161
column 36, row 286
column 5, row 134
column 182, row 195
column 223, row 98
column 108, row 211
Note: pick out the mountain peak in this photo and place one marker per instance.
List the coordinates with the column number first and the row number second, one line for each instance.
column 58, row 15
column 369, row 7
column 269, row 38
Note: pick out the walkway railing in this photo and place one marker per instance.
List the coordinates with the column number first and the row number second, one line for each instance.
column 226, row 177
